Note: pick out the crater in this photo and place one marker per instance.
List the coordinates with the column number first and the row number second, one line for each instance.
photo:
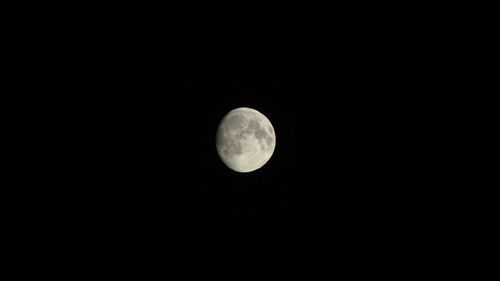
column 270, row 129
column 231, row 148
column 257, row 130
column 235, row 122
column 269, row 140
column 229, row 145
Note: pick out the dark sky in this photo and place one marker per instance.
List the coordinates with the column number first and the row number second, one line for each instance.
column 381, row 113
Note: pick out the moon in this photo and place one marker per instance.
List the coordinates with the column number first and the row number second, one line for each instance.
column 245, row 139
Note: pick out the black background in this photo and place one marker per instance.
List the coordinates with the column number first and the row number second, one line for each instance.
column 383, row 113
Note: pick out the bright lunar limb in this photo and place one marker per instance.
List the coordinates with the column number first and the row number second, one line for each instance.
column 245, row 139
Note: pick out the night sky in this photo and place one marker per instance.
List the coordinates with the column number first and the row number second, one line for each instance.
column 381, row 113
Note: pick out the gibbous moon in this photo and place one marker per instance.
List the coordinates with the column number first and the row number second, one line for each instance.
column 245, row 140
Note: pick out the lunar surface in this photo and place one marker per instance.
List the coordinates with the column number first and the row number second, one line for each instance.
column 245, row 140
